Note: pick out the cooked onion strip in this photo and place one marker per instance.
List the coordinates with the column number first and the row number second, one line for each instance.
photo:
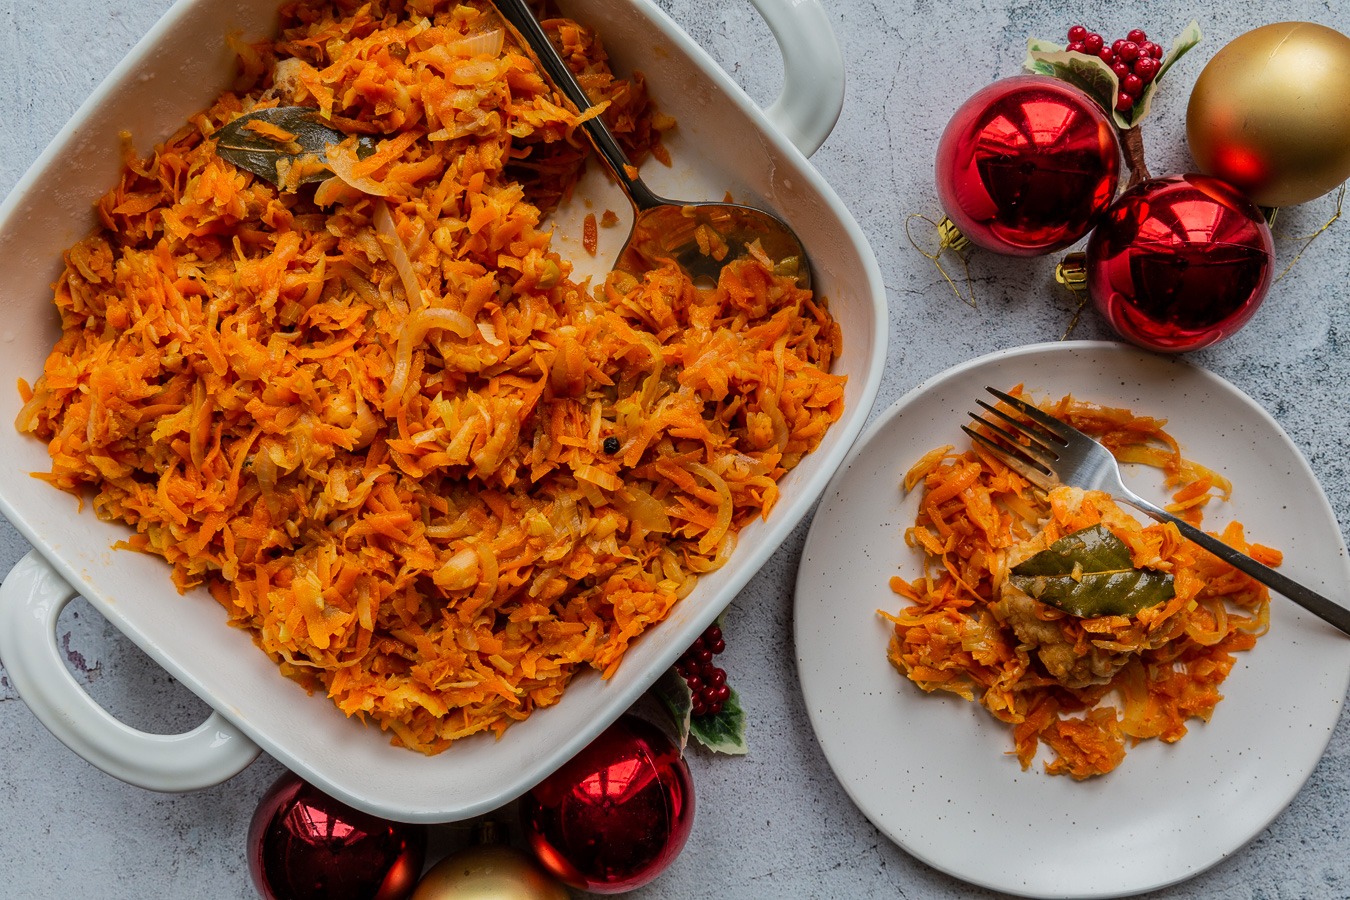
column 484, row 43
column 413, row 332
column 398, row 255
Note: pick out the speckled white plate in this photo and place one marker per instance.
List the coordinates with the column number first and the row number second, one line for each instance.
column 934, row 772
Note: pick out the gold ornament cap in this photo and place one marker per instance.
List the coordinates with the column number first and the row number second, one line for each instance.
column 1270, row 113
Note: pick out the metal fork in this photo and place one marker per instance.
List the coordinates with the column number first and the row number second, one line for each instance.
column 1047, row 452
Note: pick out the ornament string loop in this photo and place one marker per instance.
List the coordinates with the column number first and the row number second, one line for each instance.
column 1308, row 239
column 950, row 239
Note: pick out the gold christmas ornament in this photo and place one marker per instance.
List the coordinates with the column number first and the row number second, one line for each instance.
column 1270, row 113
column 488, row 872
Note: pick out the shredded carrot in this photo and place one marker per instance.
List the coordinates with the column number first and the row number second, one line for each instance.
column 1081, row 687
column 377, row 419
column 590, row 235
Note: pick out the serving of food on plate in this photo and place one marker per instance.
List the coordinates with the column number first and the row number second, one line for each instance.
column 1062, row 614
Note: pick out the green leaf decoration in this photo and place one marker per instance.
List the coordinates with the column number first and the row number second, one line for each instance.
column 1096, row 78
column 1087, row 73
column 1189, row 37
column 673, row 692
column 240, row 145
column 724, row 732
column 1107, row 582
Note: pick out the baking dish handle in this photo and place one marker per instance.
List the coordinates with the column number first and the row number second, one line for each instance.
column 31, row 599
column 813, row 71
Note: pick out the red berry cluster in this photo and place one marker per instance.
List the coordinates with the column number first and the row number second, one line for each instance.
column 707, row 682
column 1135, row 60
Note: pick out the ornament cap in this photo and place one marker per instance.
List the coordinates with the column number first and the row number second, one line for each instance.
column 489, row 832
column 951, row 237
column 1072, row 271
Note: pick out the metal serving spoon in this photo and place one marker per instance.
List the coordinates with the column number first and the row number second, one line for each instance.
column 664, row 229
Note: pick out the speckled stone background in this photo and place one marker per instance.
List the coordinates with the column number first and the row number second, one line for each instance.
column 775, row 823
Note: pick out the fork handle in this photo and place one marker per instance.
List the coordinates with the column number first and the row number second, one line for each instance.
column 1313, row 602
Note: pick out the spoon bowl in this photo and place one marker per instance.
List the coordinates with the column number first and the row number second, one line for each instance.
column 699, row 237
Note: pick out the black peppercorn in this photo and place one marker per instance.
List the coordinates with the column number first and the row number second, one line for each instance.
column 611, row 445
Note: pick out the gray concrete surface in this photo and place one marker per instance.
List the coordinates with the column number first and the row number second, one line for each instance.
column 775, row 823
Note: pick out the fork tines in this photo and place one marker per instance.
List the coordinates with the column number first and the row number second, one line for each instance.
column 1027, row 446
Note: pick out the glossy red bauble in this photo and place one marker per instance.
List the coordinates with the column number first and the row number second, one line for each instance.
column 1026, row 166
column 1180, row 263
column 304, row 845
column 615, row 815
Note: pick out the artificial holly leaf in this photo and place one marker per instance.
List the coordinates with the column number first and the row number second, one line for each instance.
column 1097, row 79
column 1087, row 73
column 723, row 732
column 267, row 157
column 1090, row 573
column 673, row 692
column 1189, row 37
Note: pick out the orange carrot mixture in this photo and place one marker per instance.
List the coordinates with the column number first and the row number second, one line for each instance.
column 1082, row 686
column 376, row 418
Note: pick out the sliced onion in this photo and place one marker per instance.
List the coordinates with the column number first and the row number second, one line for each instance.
column 716, row 482
column 489, row 333
column 485, row 43
column 414, row 330
column 397, row 254
column 28, row 415
column 643, row 509
column 459, row 572
column 367, row 425
column 487, row 570
column 342, row 159
column 598, row 477
column 724, row 550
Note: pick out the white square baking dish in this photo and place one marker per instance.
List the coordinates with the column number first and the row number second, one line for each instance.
column 724, row 143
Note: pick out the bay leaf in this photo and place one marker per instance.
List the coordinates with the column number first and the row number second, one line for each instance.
column 1090, row 573
column 1189, row 37
column 260, row 154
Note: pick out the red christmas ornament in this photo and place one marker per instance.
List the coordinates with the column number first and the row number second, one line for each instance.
column 304, row 845
column 1180, row 263
column 1027, row 165
column 617, row 814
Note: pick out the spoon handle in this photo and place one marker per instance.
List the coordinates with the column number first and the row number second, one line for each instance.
column 527, row 30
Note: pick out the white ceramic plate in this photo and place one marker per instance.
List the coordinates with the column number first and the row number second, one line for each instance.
column 933, row 772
